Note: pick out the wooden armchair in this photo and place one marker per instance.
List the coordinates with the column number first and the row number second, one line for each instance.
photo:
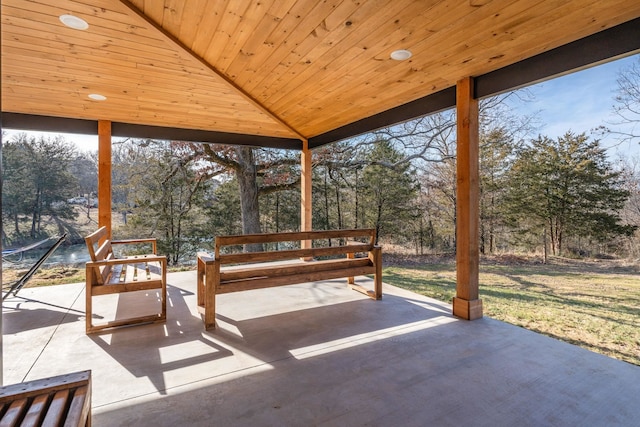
column 106, row 274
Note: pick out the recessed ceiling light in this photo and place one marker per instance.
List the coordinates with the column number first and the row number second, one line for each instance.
column 74, row 22
column 401, row 55
column 97, row 97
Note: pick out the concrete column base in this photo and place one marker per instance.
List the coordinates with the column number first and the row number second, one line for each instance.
column 469, row 310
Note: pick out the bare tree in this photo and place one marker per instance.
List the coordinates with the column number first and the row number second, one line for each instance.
column 627, row 105
column 258, row 171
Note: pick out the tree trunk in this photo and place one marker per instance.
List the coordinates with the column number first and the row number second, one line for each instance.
column 552, row 235
column 248, row 182
column 356, row 201
column 378, row 222
column 421, row 235
column 34, row 216
column 326, row 202
column 277, row 212
column 560, row 242
column 544, row 239
column 455, row 225
column 338, row 208
column 492, row 226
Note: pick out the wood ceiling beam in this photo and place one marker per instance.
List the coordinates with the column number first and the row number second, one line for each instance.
column 178, row 44
column 210, row 137
column 32, row 122
column 38, row 123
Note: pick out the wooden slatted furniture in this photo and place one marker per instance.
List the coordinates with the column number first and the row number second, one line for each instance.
column 254, row 270
column 106, row 274
column 64, row 400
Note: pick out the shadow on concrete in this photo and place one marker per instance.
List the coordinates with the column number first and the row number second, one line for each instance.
column 399, row 361
column 139, row 348
column 17, row 319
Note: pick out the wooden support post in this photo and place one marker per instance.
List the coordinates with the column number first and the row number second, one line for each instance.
column 1, row 233
column 466, row 303
column 104, row 175
column 306, row 222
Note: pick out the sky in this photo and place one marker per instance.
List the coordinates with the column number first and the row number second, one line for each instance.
column 579, row 102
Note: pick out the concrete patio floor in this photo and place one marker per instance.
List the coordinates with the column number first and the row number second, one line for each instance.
column 313, row 354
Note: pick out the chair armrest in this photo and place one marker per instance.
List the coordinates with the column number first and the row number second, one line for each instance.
column 115, row 261
column 205, row 257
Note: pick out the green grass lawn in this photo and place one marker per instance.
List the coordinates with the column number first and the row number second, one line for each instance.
column 595, row 305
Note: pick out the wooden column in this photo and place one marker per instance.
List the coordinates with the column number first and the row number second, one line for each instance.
column 104, row 175
column 466, row 303
column 1, row 315
column 306, row 223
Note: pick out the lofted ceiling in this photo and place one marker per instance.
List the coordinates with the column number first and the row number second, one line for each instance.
column 289, row 69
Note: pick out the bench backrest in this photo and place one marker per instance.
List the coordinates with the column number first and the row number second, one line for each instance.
column 362, row 240
column 61, row 400
column 100, row 252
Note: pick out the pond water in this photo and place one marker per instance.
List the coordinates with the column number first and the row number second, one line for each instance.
column 65, row 254
column 76, row 255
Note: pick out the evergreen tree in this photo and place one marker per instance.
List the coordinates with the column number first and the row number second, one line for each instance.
column 567, row 188
column 85, row 168
column 496, row 154
column 389, row 191
column 223, row 210
column 37, row 182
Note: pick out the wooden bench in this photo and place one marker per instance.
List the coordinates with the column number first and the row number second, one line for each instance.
column 252, row 270
column 63, row 400
column 106, row 274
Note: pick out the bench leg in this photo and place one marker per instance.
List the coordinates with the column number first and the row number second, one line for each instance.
column 376, row 254
column 351, row 280
column 163, row 297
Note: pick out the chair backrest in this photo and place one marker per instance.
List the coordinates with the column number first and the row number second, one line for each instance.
column 100, row 252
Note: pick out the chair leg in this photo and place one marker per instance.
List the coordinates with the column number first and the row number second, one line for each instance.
column 200, row 284
column 88, row 308
column 212, row 276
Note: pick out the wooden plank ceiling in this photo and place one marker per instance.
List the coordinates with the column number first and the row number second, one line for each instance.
column 281, row 68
